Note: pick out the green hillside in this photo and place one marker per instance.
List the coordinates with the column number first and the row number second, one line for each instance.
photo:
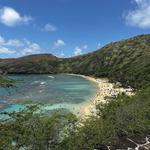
column 126, row 61
column 122, row 123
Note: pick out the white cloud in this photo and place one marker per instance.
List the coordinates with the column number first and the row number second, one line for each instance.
column 141, row 2
column 14, row 43
column 62, row 54
column 27, row 42
column 4, row 50
column 10, row 17
column 2, row 40
column 20, row 47
column 10, row 42
column 32, row 48
column 59, row 43
column 99, row 45
column 85, row 46
column 49, row 28
column 77, row 51
column 140, row 16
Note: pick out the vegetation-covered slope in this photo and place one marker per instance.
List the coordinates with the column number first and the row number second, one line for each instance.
column 120, row 123
column 42, row 63
column 126, row 61
column 117, row 123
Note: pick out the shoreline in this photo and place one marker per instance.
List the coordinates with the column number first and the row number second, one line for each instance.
column 104, row 89
column 85, row 109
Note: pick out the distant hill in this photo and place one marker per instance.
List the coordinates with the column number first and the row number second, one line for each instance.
column 126, row 61
column 41, row 63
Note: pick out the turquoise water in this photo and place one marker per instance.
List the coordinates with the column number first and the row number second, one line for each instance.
column 51, row 90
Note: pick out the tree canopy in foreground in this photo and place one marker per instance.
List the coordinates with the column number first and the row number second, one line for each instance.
column 120, row 119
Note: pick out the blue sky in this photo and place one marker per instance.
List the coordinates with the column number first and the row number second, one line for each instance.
column 68, row 27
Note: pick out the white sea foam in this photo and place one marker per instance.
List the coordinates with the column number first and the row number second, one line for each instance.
column 70, row 90
column 42, row 83
column 36, row 81
column 41, row 91
column 51, row 77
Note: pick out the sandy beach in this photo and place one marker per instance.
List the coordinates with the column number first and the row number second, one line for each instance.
column 104, row 89
column 86, row 108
